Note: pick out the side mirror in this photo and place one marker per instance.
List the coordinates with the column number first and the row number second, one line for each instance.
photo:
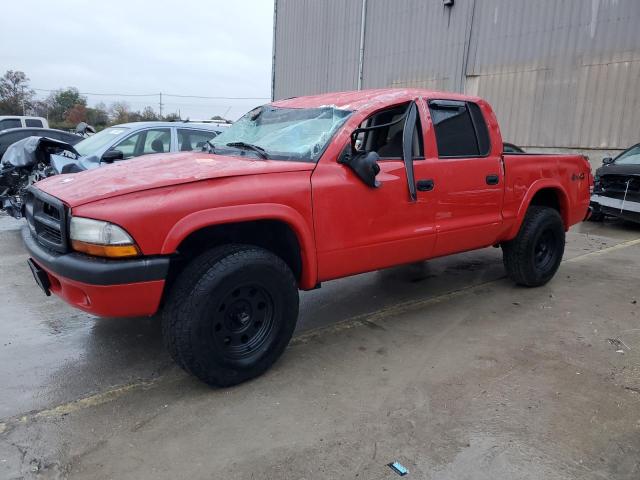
column 111, row 156
column 607, row 161
column 364, row 165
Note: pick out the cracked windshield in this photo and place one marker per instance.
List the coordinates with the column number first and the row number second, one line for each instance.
column 283, row 133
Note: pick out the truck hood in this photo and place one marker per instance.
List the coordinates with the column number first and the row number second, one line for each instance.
column 155, row 171
column 613, row 169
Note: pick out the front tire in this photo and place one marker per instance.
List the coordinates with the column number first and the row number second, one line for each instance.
column 533, row 257
column 231, row 314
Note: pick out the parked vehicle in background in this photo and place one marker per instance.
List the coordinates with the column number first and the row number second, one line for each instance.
column 128, row 140
column 297, row 192
column 25, row 162
column 21, row 121
column 511, row 148
column 12, row 135
column 616, row 191
column 17, row 174
column 33, row 159
column 220, row 123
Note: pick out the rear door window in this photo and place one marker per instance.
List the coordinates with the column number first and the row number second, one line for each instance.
column 460, row 129
column 157, row 141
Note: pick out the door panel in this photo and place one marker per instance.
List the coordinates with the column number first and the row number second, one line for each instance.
column 359, row 228
column 468, row 212
column 470, row 188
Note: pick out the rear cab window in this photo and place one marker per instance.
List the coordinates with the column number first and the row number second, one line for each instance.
column 460, row 129
column 33, row 122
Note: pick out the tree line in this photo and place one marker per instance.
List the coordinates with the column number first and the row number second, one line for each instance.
column 66, row 107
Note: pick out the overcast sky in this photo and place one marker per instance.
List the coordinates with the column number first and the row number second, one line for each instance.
column 188, row 47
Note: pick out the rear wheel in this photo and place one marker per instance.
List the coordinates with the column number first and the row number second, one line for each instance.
column 533, row 257
column 231, row 314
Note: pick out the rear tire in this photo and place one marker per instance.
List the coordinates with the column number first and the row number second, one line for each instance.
column 230, row 314
column 533, row 257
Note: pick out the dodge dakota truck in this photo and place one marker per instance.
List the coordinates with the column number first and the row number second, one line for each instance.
column 297, row 192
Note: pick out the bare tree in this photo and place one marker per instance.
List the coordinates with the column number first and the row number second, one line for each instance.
column 16, row 96
column 149, row 115
column 120, row 112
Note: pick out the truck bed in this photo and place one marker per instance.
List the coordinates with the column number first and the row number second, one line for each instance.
column 569, row 176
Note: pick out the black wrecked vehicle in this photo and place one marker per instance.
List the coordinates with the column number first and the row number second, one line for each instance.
column 616, row 191
column 25, row 162
column 12, row 135
column 511, row 148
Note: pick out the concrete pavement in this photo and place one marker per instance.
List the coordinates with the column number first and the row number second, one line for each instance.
column 444, row 366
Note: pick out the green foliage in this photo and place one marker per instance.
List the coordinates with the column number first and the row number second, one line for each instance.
column 66, row 108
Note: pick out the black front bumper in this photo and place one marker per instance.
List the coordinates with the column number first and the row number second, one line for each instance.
column 622, row 213
column 96, row 271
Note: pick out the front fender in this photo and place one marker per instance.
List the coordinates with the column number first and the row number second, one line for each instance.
column 534, row 188
column 246, row 213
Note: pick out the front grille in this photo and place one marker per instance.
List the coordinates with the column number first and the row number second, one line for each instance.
column 616, row 186
column 51, row 234
column 47, row 219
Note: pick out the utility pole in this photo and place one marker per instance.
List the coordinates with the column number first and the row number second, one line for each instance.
column 160, row 104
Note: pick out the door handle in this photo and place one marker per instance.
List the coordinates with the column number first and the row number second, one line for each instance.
column 424, row 185
column 493, row 179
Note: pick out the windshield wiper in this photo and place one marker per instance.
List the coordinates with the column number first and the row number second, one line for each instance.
column 211, row 148
column 249, row 146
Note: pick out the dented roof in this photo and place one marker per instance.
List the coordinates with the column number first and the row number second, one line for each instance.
column 357, row 100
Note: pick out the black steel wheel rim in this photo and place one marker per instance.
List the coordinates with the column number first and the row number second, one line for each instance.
column 545, row 250
column 243, row 321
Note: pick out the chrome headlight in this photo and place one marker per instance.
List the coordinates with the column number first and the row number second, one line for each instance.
column 102, row 239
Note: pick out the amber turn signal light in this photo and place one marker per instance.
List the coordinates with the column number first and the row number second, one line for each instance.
column 110, row 251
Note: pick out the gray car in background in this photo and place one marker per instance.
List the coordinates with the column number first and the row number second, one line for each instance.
column 128, row 140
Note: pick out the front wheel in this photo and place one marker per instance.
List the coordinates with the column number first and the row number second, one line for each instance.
column 230, row 314
column 533, row 257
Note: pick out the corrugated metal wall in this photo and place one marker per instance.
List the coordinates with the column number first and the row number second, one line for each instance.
column 558, row 73
column 317, row 46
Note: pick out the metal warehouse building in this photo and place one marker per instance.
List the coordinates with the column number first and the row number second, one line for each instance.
column 559, row 73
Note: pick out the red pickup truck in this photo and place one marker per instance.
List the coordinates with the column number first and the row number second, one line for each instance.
column 297, row 192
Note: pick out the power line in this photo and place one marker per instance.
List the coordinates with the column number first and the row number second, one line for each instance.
column 102, row 94
column 216, row 98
